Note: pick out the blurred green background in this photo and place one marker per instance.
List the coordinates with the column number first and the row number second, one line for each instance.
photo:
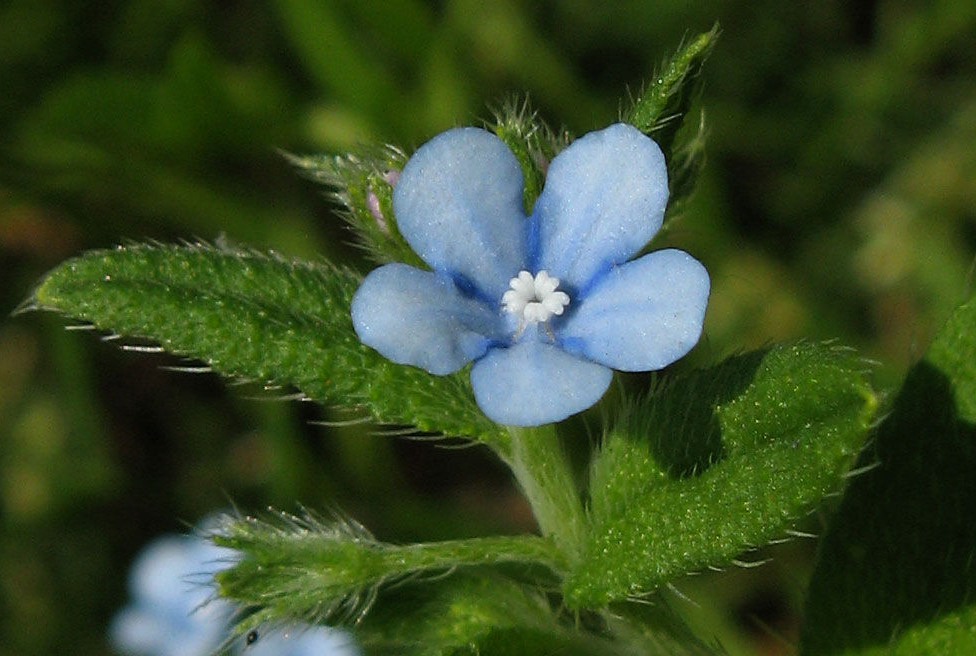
column 839, row 201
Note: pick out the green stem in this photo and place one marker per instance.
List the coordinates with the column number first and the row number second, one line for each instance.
column 541, row 468
column 477, row 551
column 327, row 568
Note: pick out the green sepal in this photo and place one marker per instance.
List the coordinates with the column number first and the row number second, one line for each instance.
column 661, row 107
column 717, row 462
column 260, row 317
column 896, row 572
column 531, row 141
column 661, row 111
column 361, row 184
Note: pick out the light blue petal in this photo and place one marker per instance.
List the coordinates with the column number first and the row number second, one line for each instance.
column 178, row 570
column 603, row 200
column 145, row 631
column 159, row 575
column 420, row 318
column 535, row 382
column 458, row 203
column 642, row 315
column 136, row 631
column 304, row 641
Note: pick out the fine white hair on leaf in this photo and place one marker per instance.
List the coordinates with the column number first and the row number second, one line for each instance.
column 863, row 470
column 136, row 348
column 799, row 534
column 202, row 369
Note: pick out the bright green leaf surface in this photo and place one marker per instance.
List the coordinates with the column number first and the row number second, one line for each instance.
column 717, row 462
column 897, row 570
column 259, row 317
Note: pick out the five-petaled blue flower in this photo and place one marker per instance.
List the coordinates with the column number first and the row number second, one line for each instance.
column 544, row 305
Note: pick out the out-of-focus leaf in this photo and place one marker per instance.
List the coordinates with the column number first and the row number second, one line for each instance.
column 332, row 55
column 896, row 573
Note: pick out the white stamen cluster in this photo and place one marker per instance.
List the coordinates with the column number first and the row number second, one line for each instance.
column 534, row 299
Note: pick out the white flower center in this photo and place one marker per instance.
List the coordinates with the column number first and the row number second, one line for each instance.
column 534, row 300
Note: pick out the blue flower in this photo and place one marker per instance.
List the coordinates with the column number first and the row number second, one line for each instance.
column 173, row 610
column 546, row 305
column 303, row 641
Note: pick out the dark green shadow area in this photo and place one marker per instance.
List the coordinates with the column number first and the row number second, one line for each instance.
column 897, row 570
column 717, row 462
column 683, row 431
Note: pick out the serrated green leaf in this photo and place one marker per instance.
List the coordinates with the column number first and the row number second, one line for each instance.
column 259, row 317
column 896, row 573
column 717, row 462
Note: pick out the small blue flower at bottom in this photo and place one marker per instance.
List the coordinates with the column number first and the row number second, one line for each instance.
column 545, row 305
column 302, row 641
column 174, row 610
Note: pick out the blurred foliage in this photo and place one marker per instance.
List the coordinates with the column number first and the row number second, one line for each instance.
column 838, row 201
column 895, row 573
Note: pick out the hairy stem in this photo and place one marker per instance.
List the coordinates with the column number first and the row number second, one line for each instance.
column 541, row 468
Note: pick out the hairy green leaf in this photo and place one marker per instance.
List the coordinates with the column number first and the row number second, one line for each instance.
column 259, row 317
column 306, row 569
column 716, row 462
column 896, row 573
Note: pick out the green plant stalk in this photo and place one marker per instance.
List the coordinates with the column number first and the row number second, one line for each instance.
column 492, row 550
column 388, row 560
column 287, row 576
column 542, row 470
